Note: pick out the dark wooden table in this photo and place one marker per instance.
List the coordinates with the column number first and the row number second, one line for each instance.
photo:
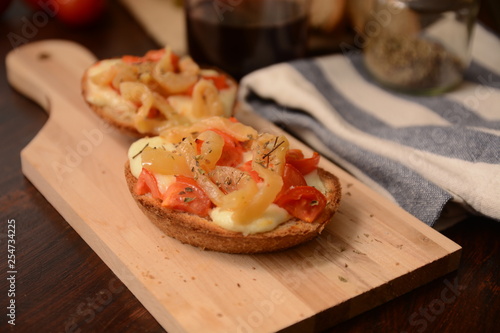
column 61, row 285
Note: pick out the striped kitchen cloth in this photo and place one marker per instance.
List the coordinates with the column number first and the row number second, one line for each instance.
column 423, row 152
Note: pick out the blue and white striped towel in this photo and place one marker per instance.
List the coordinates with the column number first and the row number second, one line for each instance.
column 420, row 151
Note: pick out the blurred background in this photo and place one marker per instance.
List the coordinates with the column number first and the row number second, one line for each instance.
column 333, row 23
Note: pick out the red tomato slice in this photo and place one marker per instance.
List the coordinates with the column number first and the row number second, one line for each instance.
column 153, row 113
column 304, row 165
column 189, row 91
column 131, row 59
column 199, row 143
column 291, row 177
column 247, row 167
column 155, row 55
column 146, row 183
column 174, row 58
column 294, row 154
column 232, row 152
column 219, row 81
column 151, row 55
column 186, row 195
column 303, row 202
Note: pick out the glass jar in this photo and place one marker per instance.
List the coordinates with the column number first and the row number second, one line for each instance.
column 419, row 46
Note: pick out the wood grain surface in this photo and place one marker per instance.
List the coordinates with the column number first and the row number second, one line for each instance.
column 63, row 286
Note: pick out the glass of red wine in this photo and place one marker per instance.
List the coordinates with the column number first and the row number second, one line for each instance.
column 240, row 36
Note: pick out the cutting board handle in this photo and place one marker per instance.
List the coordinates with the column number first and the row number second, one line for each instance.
column 44, row 70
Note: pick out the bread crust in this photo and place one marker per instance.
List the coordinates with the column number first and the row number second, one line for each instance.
column 111, row 116
column 201, row 232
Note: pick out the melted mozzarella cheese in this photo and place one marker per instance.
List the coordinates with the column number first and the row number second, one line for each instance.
column 272, row 217
column 312, row 179
column 181, row 103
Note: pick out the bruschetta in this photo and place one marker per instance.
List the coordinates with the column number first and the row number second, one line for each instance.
column 220, row 185
column 144, row 95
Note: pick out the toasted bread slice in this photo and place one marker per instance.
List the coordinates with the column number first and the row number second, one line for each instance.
column 203, row 233
column 125, row 110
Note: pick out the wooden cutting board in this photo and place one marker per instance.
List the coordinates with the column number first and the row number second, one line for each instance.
column 370, row 253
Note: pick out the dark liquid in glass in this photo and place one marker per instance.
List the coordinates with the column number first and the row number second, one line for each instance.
column 247, row 36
